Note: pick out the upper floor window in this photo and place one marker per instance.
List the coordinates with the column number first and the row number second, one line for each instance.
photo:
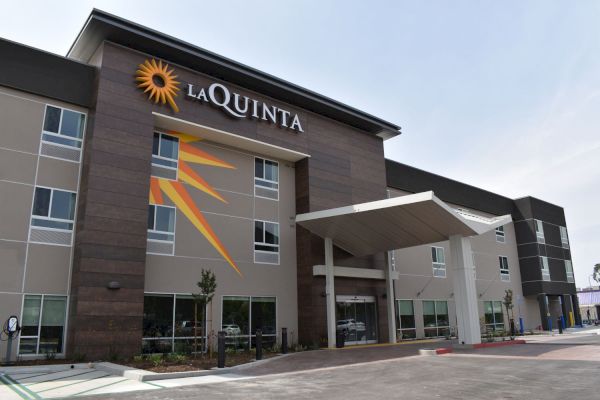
column 564, row 238
column 266, row 242
column 53, row 209
column 165, row 155
column 539, row 231
column 569, row 270
column 266, row 178
column 504, row 271
column 500, row 238
column 161, row 229
column 438, row 262
column 62, row 133
column 545, row 269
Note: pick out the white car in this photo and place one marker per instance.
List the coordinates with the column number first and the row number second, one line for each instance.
column 232, row 330
column 350, row 325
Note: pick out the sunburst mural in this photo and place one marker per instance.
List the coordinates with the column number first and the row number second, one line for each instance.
column 176, row 191
column 159, row 82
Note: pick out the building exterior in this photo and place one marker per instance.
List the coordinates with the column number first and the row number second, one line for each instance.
column 589, row 304
column 138, row 160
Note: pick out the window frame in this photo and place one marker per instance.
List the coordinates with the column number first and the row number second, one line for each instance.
column 569, row 271
column 435, row 310
column 60, row 135
column 500, row 234
column 251, row 335
column 494, row 324
column 264, row 160
column 48, row 217
column 39, row 330
column 504, row 268
column 155, row 231
column 539, row 231
column 436, row 265
column 399, row 328
column 158, row 156
column 263, row 243
column 173, row 337
column 564, row 237
column 545, row 269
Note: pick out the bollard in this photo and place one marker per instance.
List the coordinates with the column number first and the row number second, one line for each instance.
column 258, row 344
column 560, row 327
column 284, row 344
column 221, row 349
column 521, row 326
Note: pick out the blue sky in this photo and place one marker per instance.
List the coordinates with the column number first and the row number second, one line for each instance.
column 502, row 95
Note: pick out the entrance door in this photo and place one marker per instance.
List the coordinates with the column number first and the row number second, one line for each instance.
column 357, row 319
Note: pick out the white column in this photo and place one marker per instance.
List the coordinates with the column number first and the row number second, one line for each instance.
column 330, row 293
column 465, row 292
column 391, row 301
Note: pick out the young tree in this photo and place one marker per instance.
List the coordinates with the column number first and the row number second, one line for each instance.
column 508, row 303
column 207, row 286
column 597, row 272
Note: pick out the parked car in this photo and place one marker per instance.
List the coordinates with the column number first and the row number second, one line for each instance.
column 350, row 325
column 232, row 330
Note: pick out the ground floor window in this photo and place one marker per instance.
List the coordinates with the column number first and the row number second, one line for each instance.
column 242, row 316
column 405, row 320
column 168, row 325
column 435, row 318
column 43, row 324
column 494, row 319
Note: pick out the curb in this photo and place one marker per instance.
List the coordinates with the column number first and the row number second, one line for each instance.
column 499, row 344
column 142, row 375
column 435, row 352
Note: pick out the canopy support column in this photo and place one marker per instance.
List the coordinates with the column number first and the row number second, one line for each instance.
column 465, row 292
column 330, row 293
column 391, row 301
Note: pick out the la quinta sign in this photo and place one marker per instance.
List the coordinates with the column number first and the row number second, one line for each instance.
column 239, row 106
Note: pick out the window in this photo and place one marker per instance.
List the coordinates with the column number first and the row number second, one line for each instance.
column 504, row 271
column 569, row 270
column 266, row 178
column 62, row 129
column 43, row 324
column 168, row 324
column 53, row 209
column 266, row 242
column 438, row 261
column 539, row 231
column 243, row 315
column 500, row 237
column 165, row 156
column 545, row 269
column 494, row 318
column 161, row 229
column 563, row 237
column 405, row 320
column 435, row 318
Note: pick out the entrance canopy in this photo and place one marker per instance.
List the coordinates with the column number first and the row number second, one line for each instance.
column 395, row 223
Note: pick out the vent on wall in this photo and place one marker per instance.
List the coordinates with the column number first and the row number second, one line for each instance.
column 266, row 257
column 52, row 150
column 166, row 173
column 156, row 247
column 50, row 236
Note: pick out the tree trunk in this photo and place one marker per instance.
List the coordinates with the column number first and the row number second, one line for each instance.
column 195, row 328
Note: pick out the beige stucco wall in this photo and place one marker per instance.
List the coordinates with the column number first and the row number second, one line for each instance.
column 233, row 223
column 28, row 268
column 417, row 282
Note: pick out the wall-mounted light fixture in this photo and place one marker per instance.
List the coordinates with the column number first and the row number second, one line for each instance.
column 113, row 285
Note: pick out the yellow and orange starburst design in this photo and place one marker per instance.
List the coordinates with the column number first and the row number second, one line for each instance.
column 176, row 191
column 159, row 82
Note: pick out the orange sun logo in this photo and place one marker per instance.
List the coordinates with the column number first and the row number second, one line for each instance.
column 157, row 79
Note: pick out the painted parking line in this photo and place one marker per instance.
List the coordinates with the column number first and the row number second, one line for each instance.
column 19, row 389
column 55, row 384
column 54, row 376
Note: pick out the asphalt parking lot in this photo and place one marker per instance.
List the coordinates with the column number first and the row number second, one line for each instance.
column 549, row 368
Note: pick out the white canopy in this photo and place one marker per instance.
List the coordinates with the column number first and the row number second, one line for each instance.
column 395, row 223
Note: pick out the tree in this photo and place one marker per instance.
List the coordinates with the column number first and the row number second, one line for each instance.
column 508, row 303
column 207, row 286
column 597, row 272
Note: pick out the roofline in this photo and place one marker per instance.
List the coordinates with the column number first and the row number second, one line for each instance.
column 248, row 75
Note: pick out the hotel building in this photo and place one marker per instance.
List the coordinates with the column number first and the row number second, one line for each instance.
column 138, row 160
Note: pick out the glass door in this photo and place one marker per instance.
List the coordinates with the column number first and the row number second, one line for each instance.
column 357, row 319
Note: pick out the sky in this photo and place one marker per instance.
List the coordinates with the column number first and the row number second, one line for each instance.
column 503, row 95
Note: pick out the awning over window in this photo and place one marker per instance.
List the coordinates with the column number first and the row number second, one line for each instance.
column 396, row 223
